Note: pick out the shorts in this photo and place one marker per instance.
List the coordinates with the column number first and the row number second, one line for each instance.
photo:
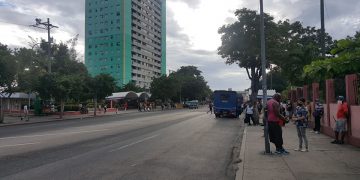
column 340, row 126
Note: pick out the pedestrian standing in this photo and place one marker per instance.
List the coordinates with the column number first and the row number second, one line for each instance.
column 275, row 121
column 125, row 106
column 300, row 118
column 309, row 109
column 139, row 106
column 249, row 110
column 210, row 108
column 341, row 120
column 318, row 113
column 26, row 113
column 116, row 108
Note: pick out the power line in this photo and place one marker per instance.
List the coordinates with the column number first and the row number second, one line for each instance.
column 6, row 22
column 17, row 24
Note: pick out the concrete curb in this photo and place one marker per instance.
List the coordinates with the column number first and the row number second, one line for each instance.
column 59, row 120
column 240, row 172
column 47, row 121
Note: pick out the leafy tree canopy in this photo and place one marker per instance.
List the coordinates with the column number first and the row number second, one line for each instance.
column 345, row 60
column 187, row 83
column 290, row 46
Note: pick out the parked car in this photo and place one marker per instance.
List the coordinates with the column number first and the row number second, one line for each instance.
column 194, row 104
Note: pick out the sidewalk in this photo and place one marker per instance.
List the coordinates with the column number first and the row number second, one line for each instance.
column 16, row 120
column 323, row 161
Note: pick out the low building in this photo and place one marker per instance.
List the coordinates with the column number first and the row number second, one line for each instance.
column 17, row 101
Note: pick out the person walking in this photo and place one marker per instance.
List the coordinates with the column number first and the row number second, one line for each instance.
column 249, row 110
column 300, row 118
column 105, row 108
column 318, row 113
column 275, row 121
column 341, row 120
column 210, row 108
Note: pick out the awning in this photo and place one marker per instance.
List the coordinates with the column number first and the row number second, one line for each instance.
column 123, row 95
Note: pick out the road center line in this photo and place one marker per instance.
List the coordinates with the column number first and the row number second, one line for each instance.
column 136, row 142
column 55, row 134
column 13, row 145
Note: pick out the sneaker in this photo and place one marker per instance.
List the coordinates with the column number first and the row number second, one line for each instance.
column 305, row 150
column 335, row 142
column 341, row 142
column 278, row 152
column 284, row 152
column 297, row 149
column 317, row 132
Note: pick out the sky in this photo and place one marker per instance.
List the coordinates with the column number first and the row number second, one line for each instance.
column 192, row 28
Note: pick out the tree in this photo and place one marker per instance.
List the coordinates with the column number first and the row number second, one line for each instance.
column 30, row 67
column 131, row 86
column 165, row 88
column 186, row 83
column 67, row 80
column 299, row 46
column 345, row 60
column 290, row 46
column 7, row 75
column 276, row 80
column 100, row 87
column 7, row 70
column 192, row 83
column 241, row 44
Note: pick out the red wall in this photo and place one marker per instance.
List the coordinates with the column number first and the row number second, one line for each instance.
column 355, row 121
column 330, row 108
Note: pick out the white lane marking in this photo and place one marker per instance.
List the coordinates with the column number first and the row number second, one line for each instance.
column 137, row 142
column 55, row 134
column 13, row 145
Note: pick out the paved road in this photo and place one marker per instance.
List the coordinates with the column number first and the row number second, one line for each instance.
column 183, row 144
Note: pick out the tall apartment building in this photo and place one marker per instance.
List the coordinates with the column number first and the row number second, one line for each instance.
column 126, row 39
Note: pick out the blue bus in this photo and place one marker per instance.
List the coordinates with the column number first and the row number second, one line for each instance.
column 227, row 104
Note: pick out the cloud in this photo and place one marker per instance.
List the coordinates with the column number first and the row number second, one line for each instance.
column 3, row 3
column 191, row 3
column 192, row 26
column 67, row 14
column 344, row 14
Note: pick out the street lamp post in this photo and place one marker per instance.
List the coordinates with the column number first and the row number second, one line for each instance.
column 263, row 68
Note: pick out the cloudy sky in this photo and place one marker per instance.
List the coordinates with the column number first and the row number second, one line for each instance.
column 192, row 25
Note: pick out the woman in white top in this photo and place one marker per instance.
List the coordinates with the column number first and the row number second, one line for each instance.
column 249, row 110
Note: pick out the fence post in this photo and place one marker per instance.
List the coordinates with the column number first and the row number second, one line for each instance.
column 351, row 89
column 315, row 91
column 306, row 92
column 351, row 95
column 330, row 97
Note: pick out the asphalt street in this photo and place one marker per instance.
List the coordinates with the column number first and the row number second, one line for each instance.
column 179, row 144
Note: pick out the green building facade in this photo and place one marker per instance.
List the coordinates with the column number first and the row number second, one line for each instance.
column 126, row 39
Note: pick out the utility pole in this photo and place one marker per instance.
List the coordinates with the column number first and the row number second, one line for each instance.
column 322, row 35
column 47, row 26
column 271, row 77
column 264, row 86
column 1, row 109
